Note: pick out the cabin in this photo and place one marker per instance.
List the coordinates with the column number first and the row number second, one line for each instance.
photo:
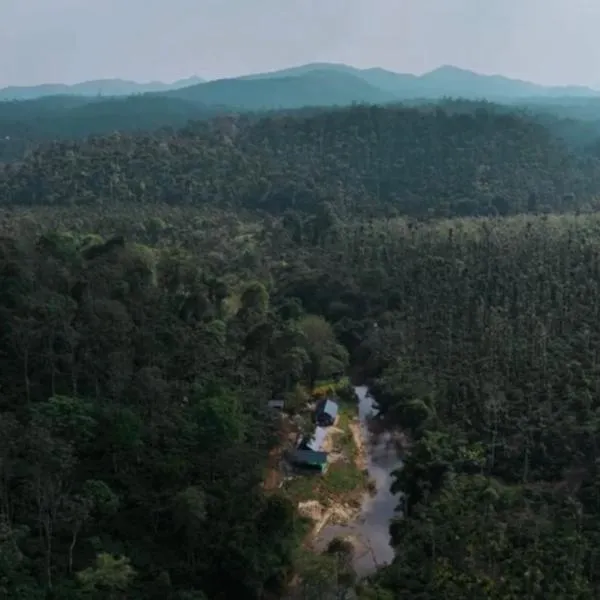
column 276, row 404
column 315, row 442
column 308, row 459
column 326, row 413
column 308, row 454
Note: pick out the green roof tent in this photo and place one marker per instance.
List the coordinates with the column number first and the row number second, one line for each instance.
column 309, row 459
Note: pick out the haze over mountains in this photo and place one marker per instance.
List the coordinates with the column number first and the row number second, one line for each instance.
column 446, row 80
column 317, row 84
column 33, row 115
column 99, row 87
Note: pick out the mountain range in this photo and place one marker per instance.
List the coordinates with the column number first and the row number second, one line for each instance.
column 317, row 84
column 99, row 87
column 32, row 115
column 446, row 80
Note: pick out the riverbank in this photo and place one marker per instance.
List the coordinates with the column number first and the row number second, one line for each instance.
column 336, row 496
column 352, row 498
column 369, row 531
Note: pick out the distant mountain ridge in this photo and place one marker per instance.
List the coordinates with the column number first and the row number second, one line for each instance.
column 318, row 84
column 99, row 87
column 317, row 87
column 326, row 84
column 446, row 80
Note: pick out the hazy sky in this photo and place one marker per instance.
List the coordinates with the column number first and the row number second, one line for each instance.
column 547, row 41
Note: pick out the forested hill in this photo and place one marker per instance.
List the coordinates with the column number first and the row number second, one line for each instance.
column 24, row 125
column 418, row 162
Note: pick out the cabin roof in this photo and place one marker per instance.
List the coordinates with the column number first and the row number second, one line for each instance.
column 309, row 456
column 329, row 407
column 316, row 441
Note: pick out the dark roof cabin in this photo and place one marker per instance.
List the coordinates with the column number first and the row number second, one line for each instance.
column 326, row 413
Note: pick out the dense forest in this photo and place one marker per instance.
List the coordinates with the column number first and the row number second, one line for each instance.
column 362, row 160
column 26, row 125
column 487, row 354
column 158, row 289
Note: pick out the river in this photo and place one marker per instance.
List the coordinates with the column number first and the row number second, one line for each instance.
column 371, row 531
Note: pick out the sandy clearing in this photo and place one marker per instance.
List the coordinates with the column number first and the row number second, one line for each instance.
column 357, row 435
column 329, row 441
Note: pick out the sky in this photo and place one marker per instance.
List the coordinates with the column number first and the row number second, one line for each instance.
column 66, row 41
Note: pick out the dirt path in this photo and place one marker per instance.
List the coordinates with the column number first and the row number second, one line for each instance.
column 274, row 473
column 361, row 452
column 274, row 476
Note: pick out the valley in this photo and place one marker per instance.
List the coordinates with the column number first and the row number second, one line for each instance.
column 180, row 295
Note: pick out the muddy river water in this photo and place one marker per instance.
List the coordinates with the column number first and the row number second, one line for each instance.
column 370, row 532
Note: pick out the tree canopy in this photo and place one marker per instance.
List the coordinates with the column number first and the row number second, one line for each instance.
column 157, row 290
